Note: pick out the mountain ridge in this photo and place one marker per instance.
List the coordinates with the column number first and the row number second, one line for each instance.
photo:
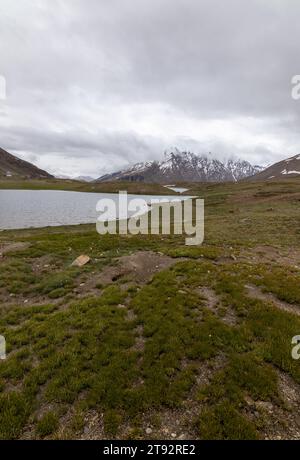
column 13, row 167
column 185, row 167
column 289, row 167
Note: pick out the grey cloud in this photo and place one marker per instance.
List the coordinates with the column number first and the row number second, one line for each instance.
column 72, row 68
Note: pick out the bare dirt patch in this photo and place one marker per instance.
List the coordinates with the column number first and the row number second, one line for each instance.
column 255, row 292
column 213, row 303
column 270, row 254
column 278, row 421
column 139, row 267
column 93, row 426
column 139, row 339
column 179, row 423
column 12, row 247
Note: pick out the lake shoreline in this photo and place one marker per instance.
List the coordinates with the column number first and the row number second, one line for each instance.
column 53, row 208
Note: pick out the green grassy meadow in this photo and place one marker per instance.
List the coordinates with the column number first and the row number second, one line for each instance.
column 153, row 339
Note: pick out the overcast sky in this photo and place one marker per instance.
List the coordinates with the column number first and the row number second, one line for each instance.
column 93, row 85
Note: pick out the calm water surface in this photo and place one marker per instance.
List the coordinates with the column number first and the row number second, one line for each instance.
column 176, row 189
column 42, row 208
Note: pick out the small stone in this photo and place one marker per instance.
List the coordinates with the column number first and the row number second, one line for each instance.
column 173, row 435
column 249, row 401
column 26, row 300
column 148, row 430
column 80, row 261
column 81, row 284
column 265, row 405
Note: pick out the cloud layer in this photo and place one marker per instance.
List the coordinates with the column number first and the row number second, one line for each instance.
column 92, row 86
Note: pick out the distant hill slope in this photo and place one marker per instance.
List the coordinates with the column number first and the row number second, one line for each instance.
column 14, row 167
column 285, row 168
column 184, row 167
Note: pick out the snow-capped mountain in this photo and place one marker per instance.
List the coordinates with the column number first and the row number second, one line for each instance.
column 79, row 178
column 185, row 167
column 285, row 168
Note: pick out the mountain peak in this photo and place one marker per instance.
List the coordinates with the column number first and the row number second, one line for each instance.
column 185, row 166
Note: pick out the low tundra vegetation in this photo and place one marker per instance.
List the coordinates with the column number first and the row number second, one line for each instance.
column 189, row 351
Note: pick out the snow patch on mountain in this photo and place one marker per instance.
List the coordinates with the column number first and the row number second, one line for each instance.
column 177, row 166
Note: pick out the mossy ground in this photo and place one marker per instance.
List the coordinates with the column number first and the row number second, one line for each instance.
column 91, row 359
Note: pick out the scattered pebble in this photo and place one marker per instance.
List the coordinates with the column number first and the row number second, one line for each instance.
column 148, row 430
column 81, row 260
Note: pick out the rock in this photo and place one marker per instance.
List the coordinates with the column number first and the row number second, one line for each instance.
column 265, row 405
column 148, row 430
column 80, row 261
column 173, row 435
column 249, row 401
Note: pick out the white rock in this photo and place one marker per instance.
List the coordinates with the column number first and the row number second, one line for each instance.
column 81, row 260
